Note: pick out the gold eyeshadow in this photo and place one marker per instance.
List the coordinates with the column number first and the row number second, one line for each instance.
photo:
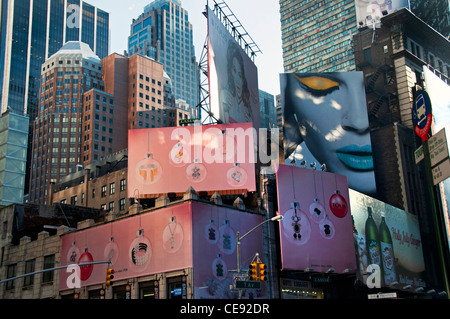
column 317, row 82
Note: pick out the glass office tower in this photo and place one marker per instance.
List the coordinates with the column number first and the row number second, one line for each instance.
column 317, row 35
column 163, row 32
column 32, row 31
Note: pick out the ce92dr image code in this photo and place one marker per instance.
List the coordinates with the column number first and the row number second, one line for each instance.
column 229, row 308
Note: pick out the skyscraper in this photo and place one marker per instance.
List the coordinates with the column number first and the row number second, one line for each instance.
column 317, row 35
column 163, row 32
column 67, row 78
column 31, row 32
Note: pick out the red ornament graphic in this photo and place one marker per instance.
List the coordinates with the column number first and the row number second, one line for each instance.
column 85, row 270
column 338, row 205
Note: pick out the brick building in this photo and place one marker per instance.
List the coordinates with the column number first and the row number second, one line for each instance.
column 392, row 58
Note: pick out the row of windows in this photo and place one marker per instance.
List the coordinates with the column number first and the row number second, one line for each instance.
column 30, row 266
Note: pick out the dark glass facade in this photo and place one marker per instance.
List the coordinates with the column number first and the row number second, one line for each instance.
column 25, row 46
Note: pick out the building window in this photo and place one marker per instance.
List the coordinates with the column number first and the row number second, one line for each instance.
column 29, row 268
column 104, row 191
column 73, row 200
column 93, row 193
column 112, row 188
column 11, row 272
column 122, row 204
column 123, row 184
column 49, row 262
column 111, row 206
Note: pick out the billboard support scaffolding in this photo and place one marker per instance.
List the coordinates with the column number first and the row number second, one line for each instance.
column 237, row 30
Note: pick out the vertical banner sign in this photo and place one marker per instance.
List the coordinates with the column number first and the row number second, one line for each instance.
column 422, row 117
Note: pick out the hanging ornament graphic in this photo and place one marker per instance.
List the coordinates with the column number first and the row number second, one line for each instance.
column 196, row 172
column 219, row 268
column 85, row 270
column 111, row 251
column 211, row 232
column 73, row 254
column 236, row 176
column 148, row 171
column 317, row 211
column 179, row 155
column 338, row 205
column 297, row 228
column 140, row 252
column 227, row 238
column 172, row 236
column 326, row 228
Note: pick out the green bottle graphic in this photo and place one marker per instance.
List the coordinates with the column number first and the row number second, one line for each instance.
column 387, row 252
column 372, row 240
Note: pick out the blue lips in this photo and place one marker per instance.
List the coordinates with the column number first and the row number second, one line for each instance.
column 356, row 157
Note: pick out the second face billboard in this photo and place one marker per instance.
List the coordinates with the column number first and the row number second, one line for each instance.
column 325, row 121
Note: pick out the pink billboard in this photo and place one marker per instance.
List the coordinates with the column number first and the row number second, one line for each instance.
column 316, row 231
column 206, row 157
column 145, row 244
column 201, row 236
column 215, row 258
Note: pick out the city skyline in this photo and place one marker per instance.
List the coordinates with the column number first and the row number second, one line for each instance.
column 267, row 35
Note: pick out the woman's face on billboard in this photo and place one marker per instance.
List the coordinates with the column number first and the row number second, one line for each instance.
column 236, row 71
column 330, row 112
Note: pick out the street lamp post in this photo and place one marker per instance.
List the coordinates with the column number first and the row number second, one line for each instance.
column 239, row 238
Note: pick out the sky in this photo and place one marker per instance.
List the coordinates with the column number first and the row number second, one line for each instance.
column 261, row 20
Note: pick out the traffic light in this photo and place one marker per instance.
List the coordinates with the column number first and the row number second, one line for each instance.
column 253, row 271
column 109, row 276
column 262, row 272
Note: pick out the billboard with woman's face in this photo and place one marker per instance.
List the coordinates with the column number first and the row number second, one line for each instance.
column 326, row 122
column 233, row 79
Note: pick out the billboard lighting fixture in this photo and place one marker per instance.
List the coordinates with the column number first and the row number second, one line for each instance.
column 324, row 167
column 313, row 165
column 303, row 163
column 331, row 270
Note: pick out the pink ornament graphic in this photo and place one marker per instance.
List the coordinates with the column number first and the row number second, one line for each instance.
column 140, row 252
column 196, row 172
column 212, row 232
column 179, row 155
column 236, row 176
column 219, row 268
column 326, row 228
column 148, row 171
column 296, row 225
column 317, row 212
column 111, row 251
column 172, row 236
column 227, row 239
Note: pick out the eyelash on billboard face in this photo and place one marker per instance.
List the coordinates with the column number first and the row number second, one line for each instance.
column 317, row 86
